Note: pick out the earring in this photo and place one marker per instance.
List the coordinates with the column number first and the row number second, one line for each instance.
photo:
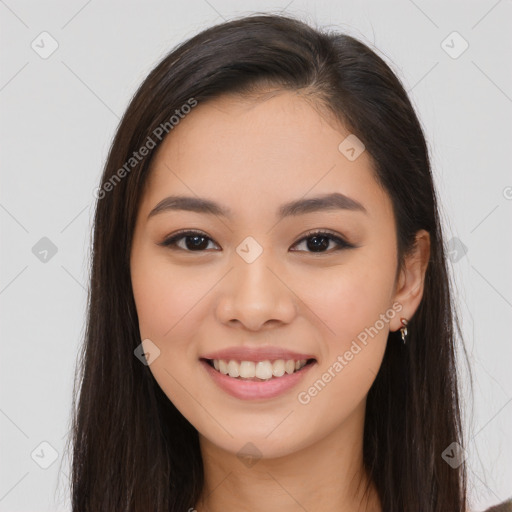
column 403, row 330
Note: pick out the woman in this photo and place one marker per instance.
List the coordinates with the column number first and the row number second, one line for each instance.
column 270, row 323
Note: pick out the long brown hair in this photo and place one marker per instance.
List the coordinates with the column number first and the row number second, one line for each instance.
column 132, row 449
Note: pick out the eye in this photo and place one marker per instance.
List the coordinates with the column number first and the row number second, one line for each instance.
column 195, row 241
column 318, row 241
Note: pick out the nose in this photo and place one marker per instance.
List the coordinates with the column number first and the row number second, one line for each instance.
column 256, row 295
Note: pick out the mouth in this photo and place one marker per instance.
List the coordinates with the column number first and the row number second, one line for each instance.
column 259, row 371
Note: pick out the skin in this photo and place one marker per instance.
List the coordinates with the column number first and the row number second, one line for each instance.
column 252, row 156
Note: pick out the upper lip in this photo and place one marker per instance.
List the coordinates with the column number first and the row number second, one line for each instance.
column 256, row 354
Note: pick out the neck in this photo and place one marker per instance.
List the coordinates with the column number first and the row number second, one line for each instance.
column 327, row 475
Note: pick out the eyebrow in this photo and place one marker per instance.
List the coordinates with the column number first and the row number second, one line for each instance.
column 333, row 201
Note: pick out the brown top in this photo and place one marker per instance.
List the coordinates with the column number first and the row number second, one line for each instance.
column 506, row 506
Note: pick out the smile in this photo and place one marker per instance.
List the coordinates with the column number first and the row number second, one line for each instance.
column 258, row 370
column 255, row 380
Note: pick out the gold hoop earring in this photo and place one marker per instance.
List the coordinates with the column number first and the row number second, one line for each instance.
column 403, row 329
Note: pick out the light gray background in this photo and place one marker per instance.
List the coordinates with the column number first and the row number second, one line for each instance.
column 58, row 116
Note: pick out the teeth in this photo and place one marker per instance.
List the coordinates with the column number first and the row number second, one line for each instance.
column 246, row 369
column 278, row 368
column 263, row 370
column 233, row 369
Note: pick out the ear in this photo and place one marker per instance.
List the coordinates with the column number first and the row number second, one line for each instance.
column 411, row 280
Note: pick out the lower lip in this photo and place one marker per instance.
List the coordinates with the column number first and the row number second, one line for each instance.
column 254, row 390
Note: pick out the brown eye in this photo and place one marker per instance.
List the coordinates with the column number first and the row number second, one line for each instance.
column 316, row 242
column 319, row 242
column 195, row 241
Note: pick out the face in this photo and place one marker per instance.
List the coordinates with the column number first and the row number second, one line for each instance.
column 315, row 280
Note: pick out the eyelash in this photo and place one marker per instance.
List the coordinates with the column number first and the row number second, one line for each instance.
column 170, row 242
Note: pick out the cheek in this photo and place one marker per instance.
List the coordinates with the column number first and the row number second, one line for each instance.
column 356, row 312
column 349, row 298
column 165, row 296
column 168, row 301
column 354, row 303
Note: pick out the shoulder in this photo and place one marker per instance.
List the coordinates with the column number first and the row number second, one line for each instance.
column 506, row 506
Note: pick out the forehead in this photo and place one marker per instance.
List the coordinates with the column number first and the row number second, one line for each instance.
column 274, row 129
column 256, row 152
